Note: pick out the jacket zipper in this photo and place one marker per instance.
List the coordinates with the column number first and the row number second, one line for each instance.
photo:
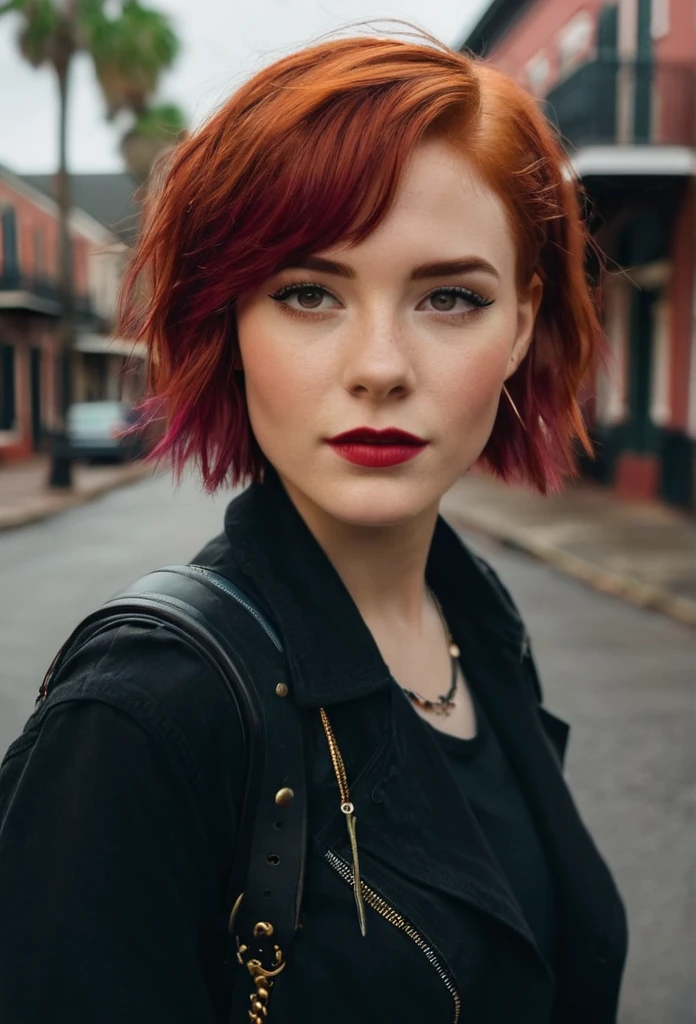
column 348, row 811
column 380, row 905
column 363, row 892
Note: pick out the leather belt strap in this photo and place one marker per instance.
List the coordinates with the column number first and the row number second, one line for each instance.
column 212, row 614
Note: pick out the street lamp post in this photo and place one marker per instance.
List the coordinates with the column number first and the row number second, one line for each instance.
column 65, row 44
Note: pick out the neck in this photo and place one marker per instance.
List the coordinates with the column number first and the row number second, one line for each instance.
column 382, row 567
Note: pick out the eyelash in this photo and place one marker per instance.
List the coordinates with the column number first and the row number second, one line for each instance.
column 288, row 290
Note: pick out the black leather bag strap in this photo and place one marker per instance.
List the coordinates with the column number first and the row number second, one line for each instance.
column 212, row 614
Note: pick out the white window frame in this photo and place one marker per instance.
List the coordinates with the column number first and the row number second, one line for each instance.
column 659, row 19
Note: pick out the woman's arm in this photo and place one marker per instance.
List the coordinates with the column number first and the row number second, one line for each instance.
column 112, row 845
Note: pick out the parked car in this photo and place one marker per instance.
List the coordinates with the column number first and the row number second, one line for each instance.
column 96, row 431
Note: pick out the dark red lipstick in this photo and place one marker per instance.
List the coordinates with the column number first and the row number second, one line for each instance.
column 377, row 449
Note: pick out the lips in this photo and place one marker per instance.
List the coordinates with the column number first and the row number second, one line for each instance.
column 377, row 449
column 368, row 435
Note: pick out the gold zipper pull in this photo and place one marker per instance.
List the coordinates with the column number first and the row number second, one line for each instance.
column 348, row 810
column 351, row 825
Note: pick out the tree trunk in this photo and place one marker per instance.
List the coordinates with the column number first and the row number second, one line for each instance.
column 61, row 463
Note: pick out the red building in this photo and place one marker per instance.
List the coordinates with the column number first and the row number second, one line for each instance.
column 619, row 80
column 30, row 308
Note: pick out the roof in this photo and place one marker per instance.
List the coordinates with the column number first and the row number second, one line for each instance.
column 494, row 23
column 80, row 220
column 108, row 198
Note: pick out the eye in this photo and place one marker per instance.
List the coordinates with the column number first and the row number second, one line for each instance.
column 305, row 298
column 455, row 299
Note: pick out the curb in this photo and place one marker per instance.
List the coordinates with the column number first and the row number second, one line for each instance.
column 626, row 588
column 55, row 504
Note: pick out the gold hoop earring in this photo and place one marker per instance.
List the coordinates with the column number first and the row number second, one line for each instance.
column 514, row 407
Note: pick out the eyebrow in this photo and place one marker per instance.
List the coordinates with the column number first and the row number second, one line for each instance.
column 450, row 268
column 446, row 268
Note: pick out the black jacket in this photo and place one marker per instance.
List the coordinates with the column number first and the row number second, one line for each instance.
column 119, row 804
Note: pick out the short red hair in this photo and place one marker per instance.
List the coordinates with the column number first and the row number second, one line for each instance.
column 309, row 153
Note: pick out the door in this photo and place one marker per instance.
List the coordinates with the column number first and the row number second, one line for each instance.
column 7, row 387
column 642, row 432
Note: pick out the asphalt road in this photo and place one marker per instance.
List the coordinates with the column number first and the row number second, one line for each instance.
column 623, row 677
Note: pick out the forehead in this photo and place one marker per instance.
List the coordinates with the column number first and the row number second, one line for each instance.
column 443, row 209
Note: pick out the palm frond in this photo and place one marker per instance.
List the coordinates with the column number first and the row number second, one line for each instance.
column 39, row 30
column 11, row 5
column 131, row 48
column 155, row 132
column 165, row 121
column 136, row 39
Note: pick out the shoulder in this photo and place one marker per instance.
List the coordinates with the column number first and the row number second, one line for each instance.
column 500, row 589
column 168, row 690
column 461, row 571
column 528, row 662
column 496, row 611
column 118, row 815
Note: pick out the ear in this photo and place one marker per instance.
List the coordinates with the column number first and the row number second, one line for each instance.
column 527, row 308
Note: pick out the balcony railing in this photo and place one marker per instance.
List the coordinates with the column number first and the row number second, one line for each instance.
column 33, row 293
column 613, row 102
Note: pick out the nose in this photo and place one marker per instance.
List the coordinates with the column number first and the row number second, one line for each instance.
column 378, row 362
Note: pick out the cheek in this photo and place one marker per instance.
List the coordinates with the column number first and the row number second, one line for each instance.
column 279, row 377
column 470, row 389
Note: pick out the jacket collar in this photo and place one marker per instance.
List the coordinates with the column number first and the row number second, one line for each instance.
column 332, row 655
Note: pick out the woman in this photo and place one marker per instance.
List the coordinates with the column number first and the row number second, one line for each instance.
column 364, row 275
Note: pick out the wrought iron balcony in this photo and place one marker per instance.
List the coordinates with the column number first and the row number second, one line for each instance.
column 613, row 102
column 38, row 294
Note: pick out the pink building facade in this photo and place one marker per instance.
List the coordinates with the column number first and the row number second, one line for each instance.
column 619, row 80
column 30, row 367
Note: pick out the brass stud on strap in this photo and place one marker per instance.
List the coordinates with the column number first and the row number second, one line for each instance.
column 282, row 689
column 284, row 796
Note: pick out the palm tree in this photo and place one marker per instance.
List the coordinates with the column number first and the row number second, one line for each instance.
column 130, row 46
column 155, row 128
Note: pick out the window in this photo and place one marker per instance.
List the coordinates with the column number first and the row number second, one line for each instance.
column 8, row 239
column 575, row 41
column 39, row 252
column 538, row 74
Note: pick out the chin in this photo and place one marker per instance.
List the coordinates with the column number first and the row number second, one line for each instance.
column 374, row 501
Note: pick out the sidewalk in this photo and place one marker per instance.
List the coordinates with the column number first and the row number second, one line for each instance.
column 24, row 497
column 643, row 553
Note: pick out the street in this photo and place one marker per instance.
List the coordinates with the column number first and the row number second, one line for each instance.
column 622, row 676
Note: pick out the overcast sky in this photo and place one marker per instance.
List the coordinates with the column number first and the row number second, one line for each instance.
column 224, row 41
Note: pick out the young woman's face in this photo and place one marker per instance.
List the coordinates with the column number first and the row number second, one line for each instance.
column 413, row 330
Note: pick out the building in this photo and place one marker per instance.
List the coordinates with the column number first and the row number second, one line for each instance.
column 619, row 80
column 30, row 367
column 111, row 199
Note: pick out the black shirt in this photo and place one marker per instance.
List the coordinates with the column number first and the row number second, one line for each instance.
column 489, row 785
